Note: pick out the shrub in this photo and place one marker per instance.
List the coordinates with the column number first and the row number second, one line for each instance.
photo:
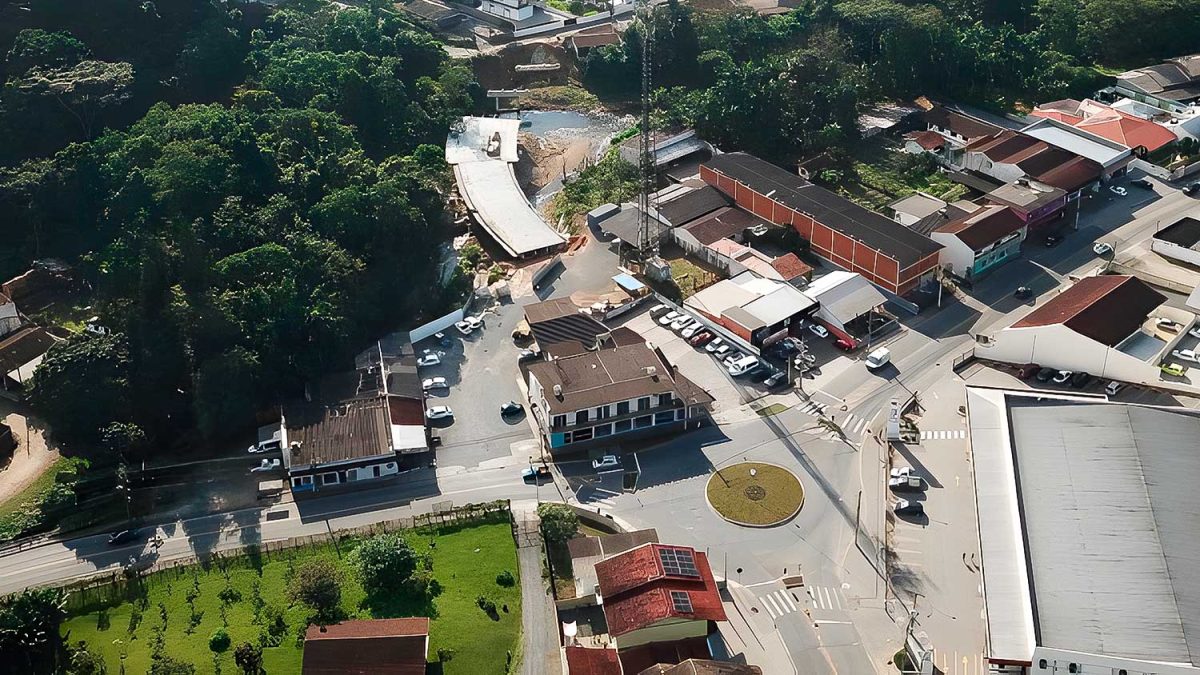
column 559, row 522
column 486, row 605
column 318, row 584
column 219, row 641
column 384, row 562
column 506, row 579
column 165, row 665
column 445, row 654
column 248, row 657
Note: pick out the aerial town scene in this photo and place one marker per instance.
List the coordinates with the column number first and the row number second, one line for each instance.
column 568, row 337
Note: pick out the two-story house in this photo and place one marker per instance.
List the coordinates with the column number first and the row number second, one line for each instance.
column 980, row 241
column 621, row 391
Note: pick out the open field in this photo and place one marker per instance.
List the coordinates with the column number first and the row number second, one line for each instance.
column 242, row 593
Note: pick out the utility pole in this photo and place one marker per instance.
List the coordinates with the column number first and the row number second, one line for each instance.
column 647, row 243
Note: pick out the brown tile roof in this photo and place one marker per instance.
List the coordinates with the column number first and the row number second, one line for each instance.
column 589, row 661
column 929, row 140
column 638, row 659
column 619, row 373
column 22, row 346
column 355, row 429
column 1107, row 309
column 367, row 647
column 720, row 224
column 1073, row 175
column 963, row 125
column 789, row 266
column 984, row 227
column 702, row 667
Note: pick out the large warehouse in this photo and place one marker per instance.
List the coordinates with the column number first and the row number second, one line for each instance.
column 1088, row 513
column 893, row 257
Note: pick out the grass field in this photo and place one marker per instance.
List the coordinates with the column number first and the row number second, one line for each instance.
column 768, row 496
column 465, row 563
column 31, row 493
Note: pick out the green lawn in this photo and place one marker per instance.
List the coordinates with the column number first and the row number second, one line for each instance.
column 883, row 176
column 31, row 493
column 465, row 563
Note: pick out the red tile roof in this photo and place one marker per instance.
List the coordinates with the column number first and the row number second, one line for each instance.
column 1107, row 309
column 789, row 266
column 637, row 590
column 367, row 647
column 984, row 227
column 585, row 661
column 639, row 658
column 1132, row 132
column 929, row 140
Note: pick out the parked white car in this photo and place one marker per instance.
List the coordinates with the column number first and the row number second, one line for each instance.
column 669, row 317
column 1195, row 332
column 1113, row 387
column 902, row 472
column 434, row 383
column 429, row 359
column 818, row 330
column 464, row 327
column 1186, row 355
column 691, row 330
column 1062, row 377
column 878, row 358
column 439, row 412
column 1102, row 248
column 681, row 321
column 721, row 351
column 266, row 465
column 606, row 463
column 713, row 346
column 1118, row 190
column 743, row 365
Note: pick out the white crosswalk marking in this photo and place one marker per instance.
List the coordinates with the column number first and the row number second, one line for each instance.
column 813, row 408
column 778, row 603
column 826, row 597
column 943, row 434
column 787, row 600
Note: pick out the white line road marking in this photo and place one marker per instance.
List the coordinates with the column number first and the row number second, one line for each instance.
column 771, row 608
column 906, row 550
column 787, row 600
column 825, row 592
column 836, row 600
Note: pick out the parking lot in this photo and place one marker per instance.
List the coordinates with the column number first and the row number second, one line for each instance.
column 481, row 373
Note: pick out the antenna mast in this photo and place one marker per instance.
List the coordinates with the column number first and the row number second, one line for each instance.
column 647, row 237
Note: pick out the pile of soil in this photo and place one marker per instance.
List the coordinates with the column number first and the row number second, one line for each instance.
column 497, row 70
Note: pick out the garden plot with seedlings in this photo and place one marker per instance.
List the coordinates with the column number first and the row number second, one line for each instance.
column 465, row 581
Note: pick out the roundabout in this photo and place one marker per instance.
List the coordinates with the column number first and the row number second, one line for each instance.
column 755, row 494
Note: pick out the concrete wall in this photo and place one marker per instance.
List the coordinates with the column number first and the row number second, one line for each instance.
column 663, row 632
column 437, row 325
column 1180, row 253
column 1059, row 662
column 1061, row 348
column 957, row 256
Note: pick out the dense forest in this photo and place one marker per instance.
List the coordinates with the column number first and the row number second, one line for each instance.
column 792, row 84
column 274, row 200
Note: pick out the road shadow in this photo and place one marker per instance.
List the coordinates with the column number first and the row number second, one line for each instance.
column 410, row 486
column 916, row 463
column 953, row 318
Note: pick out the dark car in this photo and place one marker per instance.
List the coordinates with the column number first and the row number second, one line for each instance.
column 907, row 507
column 1023, row 293
column 1053, row 240
column 1045, row 374
column 510, row 408
column 122, row 537
column 1080, row 380
column 1192, row 189
column 700, row 338
column 1027, row 371
column 1142, row 183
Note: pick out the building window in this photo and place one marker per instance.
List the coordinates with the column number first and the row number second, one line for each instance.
column 329, row 478
column 664, row 399
column 644, row 403
column 643, row 422
column 299, row 481
column 623, row 425
column 581, row 417
column 375, row 471
column 623, row 408
column 559, row 421
column 602, row 412
column 664, row 417
column 680, row 414
column 603, row 430
column 582, row 435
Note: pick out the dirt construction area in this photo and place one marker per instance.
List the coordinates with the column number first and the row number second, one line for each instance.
column 32, row 457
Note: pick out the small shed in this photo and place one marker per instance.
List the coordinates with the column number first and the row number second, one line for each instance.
column 630, row 285
column 602, row 213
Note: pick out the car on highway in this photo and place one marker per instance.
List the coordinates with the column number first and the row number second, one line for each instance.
column 714, row 345
column 1186, row 355
column 1143, row 183
column 1053, row 240
column 431, row 383
column 911, row 482
column 1118, row 190
column 1168, row 325
column 743, row 365
column 1062, row 377
column 878, row 358
column 510, row 408
column 606, row 463
column 1080, row 380
column 818, row 330
column 690, row 331
column 906, row 507
column 700, row 339
column 122, row 537
column 429, row 359
column 267, row 465
column 666, row 319
column 1045, row 374
column 439, row 412
column 1114, row 387
column 1023, row 293
column 1102, row 248
column 1191, row 189
column 844, row 344
column 1173, row 369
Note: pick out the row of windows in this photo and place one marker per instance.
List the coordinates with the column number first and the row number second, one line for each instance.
column 621, row 426
column 606, row 411
column 333, row 477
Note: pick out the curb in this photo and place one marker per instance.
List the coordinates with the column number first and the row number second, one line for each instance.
column 782, row 521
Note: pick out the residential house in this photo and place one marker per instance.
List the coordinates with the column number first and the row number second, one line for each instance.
column 909, row 210
column 587, row 39
column 615, row 393
column 1113, row 157
column 958, row 130
column 1105, row 326
column 1140, row 135
column 1173, row 85
column 513, row 10
column 1039, row 206
column 21, row 352
column 367, row 647
column 980, row 241
column 755, row 309
column 849, row 236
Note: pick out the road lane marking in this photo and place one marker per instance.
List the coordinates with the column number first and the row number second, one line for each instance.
column 788, row 599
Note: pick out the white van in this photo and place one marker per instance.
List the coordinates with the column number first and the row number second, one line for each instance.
column 1113, row 387
column 878, row 358
column 743, row 365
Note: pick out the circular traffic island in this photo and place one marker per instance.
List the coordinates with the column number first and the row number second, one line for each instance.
column 754, row 494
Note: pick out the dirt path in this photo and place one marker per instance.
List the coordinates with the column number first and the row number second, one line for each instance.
column 31, row 458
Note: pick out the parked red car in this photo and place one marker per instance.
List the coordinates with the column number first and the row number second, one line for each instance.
column 700, row 338
column 844, row 344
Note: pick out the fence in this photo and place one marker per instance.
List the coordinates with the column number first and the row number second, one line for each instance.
column 437, row 325
column 1183, row 171
column 113, row 587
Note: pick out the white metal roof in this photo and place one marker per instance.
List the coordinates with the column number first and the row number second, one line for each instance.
column 491, row 191
column 1100, row 150
column 845, row 296
column 719, row 297
column 783, row 302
